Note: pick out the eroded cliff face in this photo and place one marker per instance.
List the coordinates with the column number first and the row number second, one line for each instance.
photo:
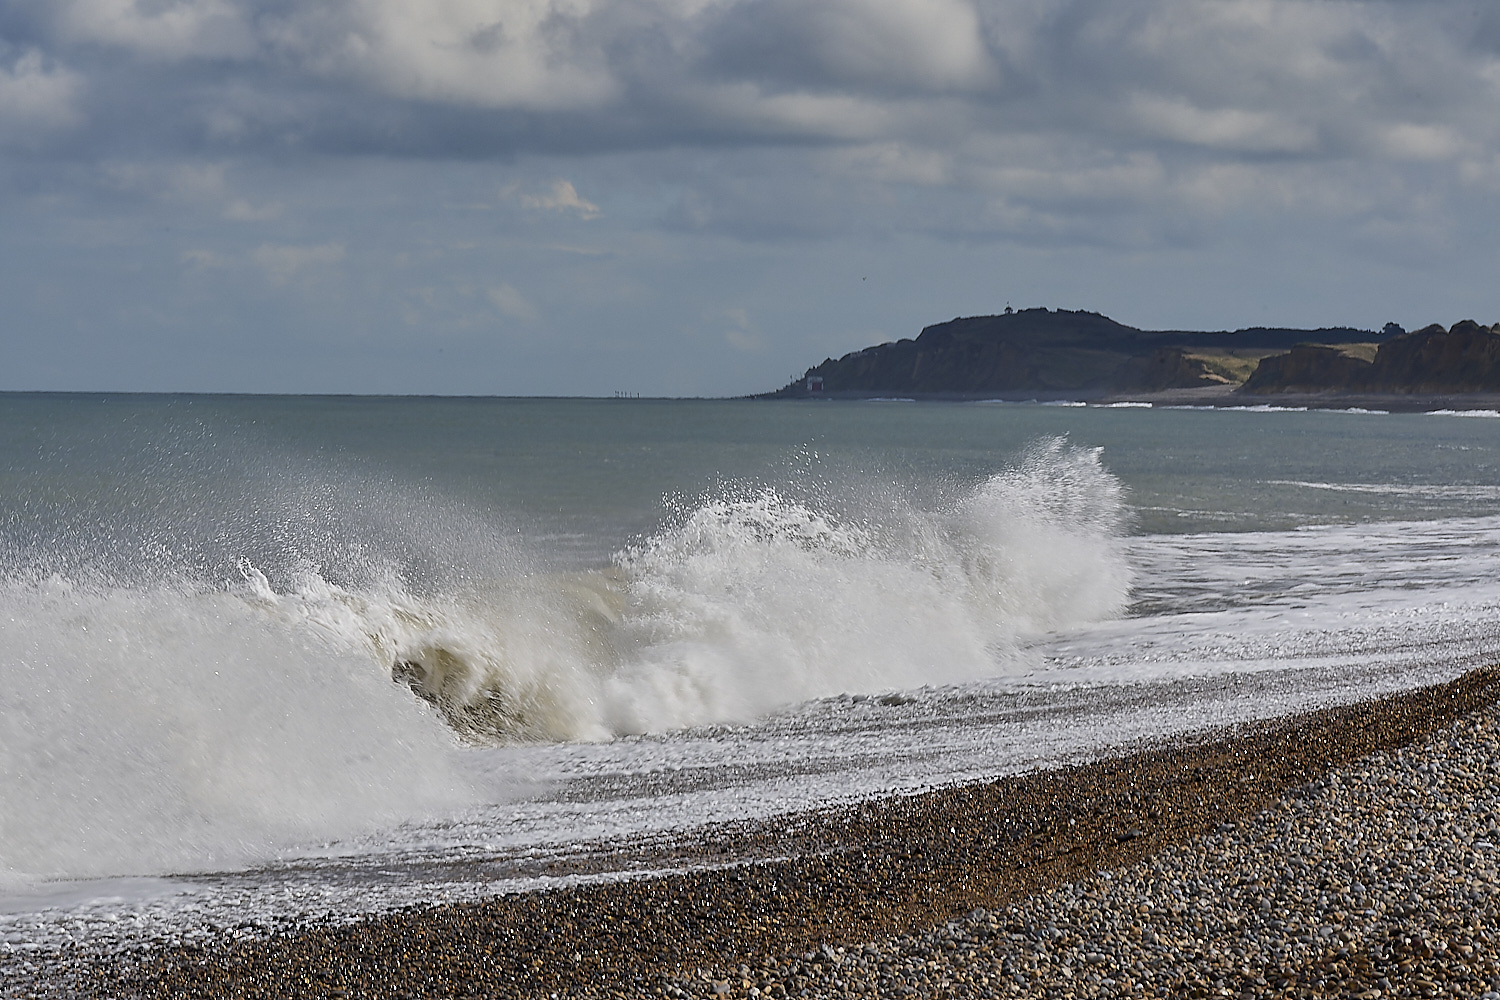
column 1463, row 359
column 1308, row 368
column 1432, row 360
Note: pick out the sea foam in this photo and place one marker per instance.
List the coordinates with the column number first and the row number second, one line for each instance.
column 184, row 721
column 752, row 599
column 147, row 729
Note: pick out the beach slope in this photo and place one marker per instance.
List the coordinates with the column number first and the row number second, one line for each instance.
column 1342, row 852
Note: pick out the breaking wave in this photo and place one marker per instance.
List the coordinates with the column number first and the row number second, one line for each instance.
column 752, row 600
column 180, row 722
column 162, row 727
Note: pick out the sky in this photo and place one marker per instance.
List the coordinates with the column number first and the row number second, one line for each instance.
column 707, row 197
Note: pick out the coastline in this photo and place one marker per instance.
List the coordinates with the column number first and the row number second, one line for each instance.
column 745, row 899
column 1207, row 397
column 1222, row 397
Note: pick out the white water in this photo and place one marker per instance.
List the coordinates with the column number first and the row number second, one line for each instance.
column 200, row 643
column 749, row 602
column 162, row 727
column 151, row 729
column 1231, row 627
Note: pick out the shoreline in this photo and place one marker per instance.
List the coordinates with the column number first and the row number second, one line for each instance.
column 880, row 871
column 1207, row 397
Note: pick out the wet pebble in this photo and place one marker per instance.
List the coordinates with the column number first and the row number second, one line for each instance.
column 1238, row 878
column 1380, row 880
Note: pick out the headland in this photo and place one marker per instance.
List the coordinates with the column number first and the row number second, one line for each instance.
column 1060, row 354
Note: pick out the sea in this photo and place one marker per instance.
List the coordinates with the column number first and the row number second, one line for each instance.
column 270, row 659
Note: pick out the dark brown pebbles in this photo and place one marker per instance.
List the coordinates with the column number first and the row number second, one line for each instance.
column 873, row 872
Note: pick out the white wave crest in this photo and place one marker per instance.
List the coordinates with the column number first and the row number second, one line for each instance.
column 752, row 602
column 186, row 724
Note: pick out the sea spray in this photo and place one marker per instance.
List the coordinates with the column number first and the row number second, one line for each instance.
column 750, row 600
column 511, row 659
column 147, row 729
column 260, row 693
column 1040, row 542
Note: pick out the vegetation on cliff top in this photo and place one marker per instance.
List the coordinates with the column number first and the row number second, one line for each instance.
column 1463, row 359
column 1054, row 351
column 1082, row 353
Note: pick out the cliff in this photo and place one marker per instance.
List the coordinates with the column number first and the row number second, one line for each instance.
column 1052, row 352
column 1307, row 368
column 1464, row 359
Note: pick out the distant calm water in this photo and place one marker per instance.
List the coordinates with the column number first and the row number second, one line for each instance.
column 238, row 628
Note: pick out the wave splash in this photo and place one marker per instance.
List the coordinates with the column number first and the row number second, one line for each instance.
column 753, row 600
column 174, row 722
column 162, row 728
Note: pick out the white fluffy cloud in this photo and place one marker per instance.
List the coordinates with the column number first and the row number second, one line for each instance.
column 530, row 54
column 562, row 197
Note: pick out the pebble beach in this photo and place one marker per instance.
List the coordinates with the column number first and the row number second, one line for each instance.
column 1346, row 852
column 1378, row 880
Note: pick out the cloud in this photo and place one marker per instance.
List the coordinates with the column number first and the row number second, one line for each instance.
column 1420, row 141
column 282, row 262
column 37, row 96
column 510, row 302
column 740, row 332
column 880, row 45
column 240, row 210
column 1222, row 128
column 534, row 54
column 1008, row 119
column 452, row 77
column 198, row 185
column 161, row 29
column 893, row 163
column 196, row 181
column 199, row 259
column 563, row 197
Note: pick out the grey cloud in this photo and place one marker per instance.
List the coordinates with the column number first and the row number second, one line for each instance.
column 38, row 98
column 1070, row 65
column 1045, row 114
column 166, row 30
column 874, row 46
